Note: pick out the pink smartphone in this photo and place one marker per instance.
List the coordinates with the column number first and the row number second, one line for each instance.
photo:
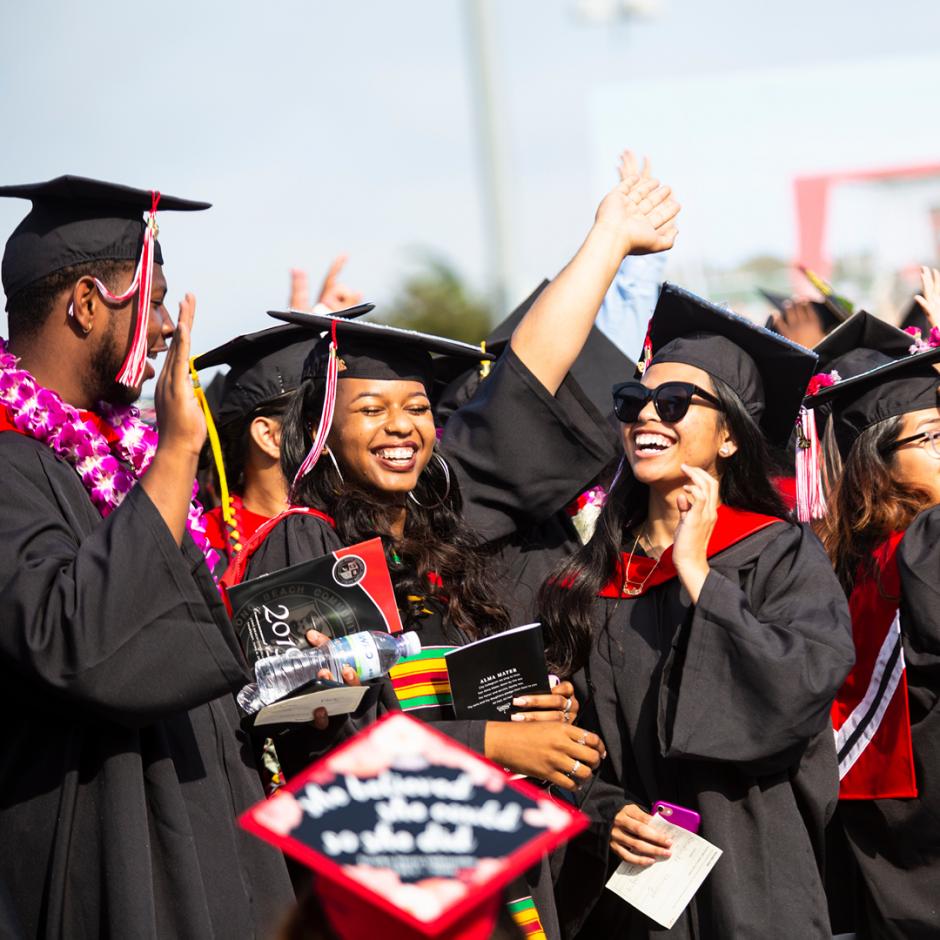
column 678, row 815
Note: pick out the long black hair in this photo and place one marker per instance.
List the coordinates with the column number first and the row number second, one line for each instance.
column 567, row 598
column 437, row 557
column 867, row 502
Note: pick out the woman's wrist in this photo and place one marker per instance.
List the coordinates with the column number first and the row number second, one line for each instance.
column 693, row 577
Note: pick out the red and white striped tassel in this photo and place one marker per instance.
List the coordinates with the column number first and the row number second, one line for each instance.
column 326, row 417
column 131, row 372
column 810, row 499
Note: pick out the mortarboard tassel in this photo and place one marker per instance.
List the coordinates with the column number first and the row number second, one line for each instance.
column 810, row 499
column 131, row 372
column 326, row 417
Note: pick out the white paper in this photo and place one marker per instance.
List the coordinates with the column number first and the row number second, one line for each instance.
column 662, row 891
column 337, row 701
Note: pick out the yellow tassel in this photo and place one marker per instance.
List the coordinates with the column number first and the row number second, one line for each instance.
column 215, row 446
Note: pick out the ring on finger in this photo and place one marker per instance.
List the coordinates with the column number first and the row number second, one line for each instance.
column 583, row 739
column 568, row 704
column 577, row 766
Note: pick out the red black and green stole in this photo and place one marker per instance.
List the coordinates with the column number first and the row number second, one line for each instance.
column 639, row 574
column 871, row 715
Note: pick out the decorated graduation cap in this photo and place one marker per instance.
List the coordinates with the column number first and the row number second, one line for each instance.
column 861, row 343
column 75, row 220
column 888, row 391
column 766, row 371
column 411, row 834
column 359, row 349
column 599, row 365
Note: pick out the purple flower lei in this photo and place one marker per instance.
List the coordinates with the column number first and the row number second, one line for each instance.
column 108, row 471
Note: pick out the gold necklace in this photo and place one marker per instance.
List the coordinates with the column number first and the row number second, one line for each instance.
column 632, row 588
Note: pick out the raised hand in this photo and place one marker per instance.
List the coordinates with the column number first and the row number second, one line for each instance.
column 179, row 418
column 698, row 513
column 929, row 299
column 629, row 167
column 333, row 294
column 799, row 321
column 640, row 213
column 182, row 426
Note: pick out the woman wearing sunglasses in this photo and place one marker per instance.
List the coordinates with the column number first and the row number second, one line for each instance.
column 708, row 636
column 882, row 532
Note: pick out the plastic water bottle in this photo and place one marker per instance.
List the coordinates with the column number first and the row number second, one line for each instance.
column 370, row 653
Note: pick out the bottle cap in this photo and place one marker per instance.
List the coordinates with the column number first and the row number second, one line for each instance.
column 410, row 643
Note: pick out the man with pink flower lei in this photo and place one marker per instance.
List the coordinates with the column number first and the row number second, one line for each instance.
column 123, row 768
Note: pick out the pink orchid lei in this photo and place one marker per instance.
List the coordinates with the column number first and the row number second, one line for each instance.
column 108, row 470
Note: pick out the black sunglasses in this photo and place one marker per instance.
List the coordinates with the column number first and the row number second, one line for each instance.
column 671, row 400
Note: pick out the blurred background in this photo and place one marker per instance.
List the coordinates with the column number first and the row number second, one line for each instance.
column 456, row 149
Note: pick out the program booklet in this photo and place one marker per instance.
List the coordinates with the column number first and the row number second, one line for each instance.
column 487, row 675
column 347, row 591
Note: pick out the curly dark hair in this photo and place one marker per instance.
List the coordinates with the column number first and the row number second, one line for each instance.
column 30, row 308
column 435, row 540
column 567, row 599
column 866, row 503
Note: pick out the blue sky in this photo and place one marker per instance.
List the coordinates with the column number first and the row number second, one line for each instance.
column 316, row 127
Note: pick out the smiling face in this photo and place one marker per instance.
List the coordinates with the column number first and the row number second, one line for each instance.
column 915, row 463
column 656, row 449
column 383, row 433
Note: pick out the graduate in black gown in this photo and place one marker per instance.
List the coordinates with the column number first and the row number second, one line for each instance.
column 882, row 531
column 709, row 637
column 123, row 768
column 509, row 457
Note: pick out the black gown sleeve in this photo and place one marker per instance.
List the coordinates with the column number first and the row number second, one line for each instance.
column 752, row 677
column 111, row 620
column 521, row 454
column 919, row 567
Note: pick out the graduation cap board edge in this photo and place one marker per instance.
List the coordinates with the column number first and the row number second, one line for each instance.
column 369, row 767
column 861, row 332
column 770, row 378
column 75, row 220
column 376, row 359
column 887, row 391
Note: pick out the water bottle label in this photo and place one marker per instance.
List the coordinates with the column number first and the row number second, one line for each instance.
column 364, row 653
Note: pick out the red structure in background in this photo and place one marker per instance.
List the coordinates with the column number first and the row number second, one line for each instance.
column 812, row 208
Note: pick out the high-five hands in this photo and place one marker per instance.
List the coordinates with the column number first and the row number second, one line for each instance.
column 640, row 213
column 698, row 513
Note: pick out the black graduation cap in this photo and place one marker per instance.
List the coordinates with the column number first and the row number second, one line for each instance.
column 370, row 350
column 828, row 319
column 75, row 220
column 890, row 390
column 861, row 343
column 768, row 372
column 264, row 365
column 600, row 365
column 366, row 350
